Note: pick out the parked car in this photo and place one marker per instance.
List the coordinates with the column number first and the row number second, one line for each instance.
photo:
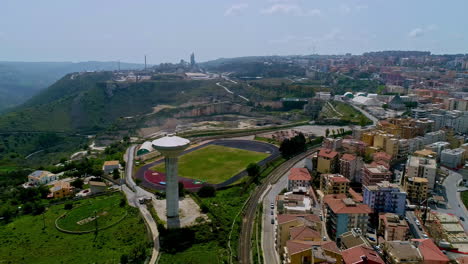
column 425, row 236
column 272, row 212
column 462, row 218
column 272, row 221
column 417, row 222
column 272, row 205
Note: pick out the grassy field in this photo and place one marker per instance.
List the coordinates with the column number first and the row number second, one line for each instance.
column 214, row 164
column 106, row 207
column 25, row 241
column 343, row 111
column 197, row 254
column 464, row 197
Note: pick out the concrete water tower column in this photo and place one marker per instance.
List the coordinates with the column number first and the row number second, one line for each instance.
column 171, row 147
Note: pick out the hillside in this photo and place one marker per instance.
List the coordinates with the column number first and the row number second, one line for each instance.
column 19, row 81
column 88, row 103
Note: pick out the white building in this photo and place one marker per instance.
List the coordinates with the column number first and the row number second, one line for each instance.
column 438, row 147
column 41, row 177
column 452, row 158
column 299, row 180
column 423, row 168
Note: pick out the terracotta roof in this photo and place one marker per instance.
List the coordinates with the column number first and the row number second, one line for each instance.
column 348, row 157
column 462, row 260
column 430, row 251
column 354, row 255
column 299, row 174
column 284, row 218
column 355, row 195
column 296, row 247
column 95, row 183
column 334, row 196
column 111, row 162
column 338, row 179
column 331, row 246
column 327, row 153
column 303, row 233
column 347, row 206
column 382, row 155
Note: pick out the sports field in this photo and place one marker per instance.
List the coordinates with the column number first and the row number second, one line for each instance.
column 214, row 163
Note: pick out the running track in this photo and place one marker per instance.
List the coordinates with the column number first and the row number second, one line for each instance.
column 151, row 179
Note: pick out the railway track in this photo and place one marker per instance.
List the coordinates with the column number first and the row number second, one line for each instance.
column 245, row 255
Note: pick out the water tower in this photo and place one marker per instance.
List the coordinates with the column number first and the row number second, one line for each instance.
column 171, row 146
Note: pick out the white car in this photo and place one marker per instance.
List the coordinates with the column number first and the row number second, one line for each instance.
column 425, row 236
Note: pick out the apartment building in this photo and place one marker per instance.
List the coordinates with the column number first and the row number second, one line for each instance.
column 327, row 161
column 416, row 188
column 373, row 174
column 385, row 197
column 423, row 168
column 333, row 184
column 391, row 227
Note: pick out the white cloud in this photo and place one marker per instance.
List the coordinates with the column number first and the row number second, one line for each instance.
column 290, row 9
column 351, row 9
column 235, row 9
column 420, row 31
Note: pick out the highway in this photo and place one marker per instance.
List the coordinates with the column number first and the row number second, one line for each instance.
column 245, row 255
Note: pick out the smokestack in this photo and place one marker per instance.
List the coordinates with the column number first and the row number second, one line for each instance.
column 145, row 62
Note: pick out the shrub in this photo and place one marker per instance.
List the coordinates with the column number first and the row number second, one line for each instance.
column 68, row 206
column 207, row 191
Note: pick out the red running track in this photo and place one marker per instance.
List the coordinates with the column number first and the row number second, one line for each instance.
column 156, row 178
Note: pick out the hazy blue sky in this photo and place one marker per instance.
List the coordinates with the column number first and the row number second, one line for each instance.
column 80, row 30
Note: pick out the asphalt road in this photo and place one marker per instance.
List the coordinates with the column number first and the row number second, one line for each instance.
column 245, row 254
column 133, row 193
column 454, row 202
column 270, row 253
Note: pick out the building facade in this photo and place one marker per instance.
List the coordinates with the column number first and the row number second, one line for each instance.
column 385, row 197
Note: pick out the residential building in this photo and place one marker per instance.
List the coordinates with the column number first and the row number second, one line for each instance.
column 425, row 153
column 452, row 158
column 41, row 177
column 350, row 166
column 344, row 214
column 361, row 255
column 352, row 238
column 416, row 188
column 373, row 174
column 401, row 252
column 417, row 113
column 391, row 227
column 110, row 165
column 97, row 187
column 382, row 158
column 430, row 252
column 333, row 184
column 290, row 203
column 311, row 162
column 332, row 143
column 423, row 168
column 327, row 161
column 61, row 189
column 437, row 147
column 288, row 221
column 299, row 179
column 385, row 197
column 308, row 252
column 446, row 230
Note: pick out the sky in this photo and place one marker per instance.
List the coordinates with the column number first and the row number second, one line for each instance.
column 169, row 30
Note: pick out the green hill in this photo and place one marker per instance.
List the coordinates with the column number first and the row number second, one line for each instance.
column 90, row 102
column 19, row 81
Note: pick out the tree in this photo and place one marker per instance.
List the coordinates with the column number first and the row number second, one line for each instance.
column 124, row 259
column 207, row 191
column 78, row 183
column 253, row 170
column 327, row 132
column 181, row 189
column 115, row 174
column 68, row 206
